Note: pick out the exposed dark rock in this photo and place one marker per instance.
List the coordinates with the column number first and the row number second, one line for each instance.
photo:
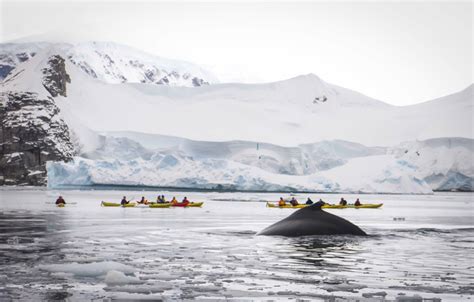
column 199, row 82
column 84, row 66
column 55, row 76
column 22, row 56
column 5, row 70
column 151, row 75
column 31, row 133
column 163, row 81
column 174, row 74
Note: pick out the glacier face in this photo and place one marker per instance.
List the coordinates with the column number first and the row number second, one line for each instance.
column 187, row 164
column 127, row 158
column 444, row 163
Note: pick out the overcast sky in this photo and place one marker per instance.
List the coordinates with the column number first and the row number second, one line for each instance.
column 398, row 52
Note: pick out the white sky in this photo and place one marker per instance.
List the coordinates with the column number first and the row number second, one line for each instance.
column 398, row 52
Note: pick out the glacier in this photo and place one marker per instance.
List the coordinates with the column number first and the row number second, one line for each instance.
column 237, row 166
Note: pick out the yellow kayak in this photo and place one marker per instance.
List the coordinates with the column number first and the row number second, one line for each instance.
column 365, row 206
column 286, row 206
column 187, row 205
column 159, row 205
column 195, row 204
column 61, row 205
column 328, row 206
column 116, row 204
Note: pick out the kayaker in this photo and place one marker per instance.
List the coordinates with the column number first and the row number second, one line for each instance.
column 294, row 202
column 343, row 202
column 185, row 200
column 143, row 200
column 357, row 202
column 320, row 203
column 60, row 200
column 174, row 200
column 124, row 201
column 163, row 198
column 309, row 201
column 160, row 199
column 281, row 202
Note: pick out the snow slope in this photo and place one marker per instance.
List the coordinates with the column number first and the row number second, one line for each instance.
column 281, row 113
column 12, row 54
column 301, row 110
column 110, row 63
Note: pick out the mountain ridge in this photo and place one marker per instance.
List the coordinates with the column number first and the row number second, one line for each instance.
column 110, row 62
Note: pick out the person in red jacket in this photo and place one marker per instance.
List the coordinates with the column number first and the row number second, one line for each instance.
column 185, row 200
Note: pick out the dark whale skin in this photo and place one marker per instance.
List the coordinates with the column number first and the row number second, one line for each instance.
column 312, row 220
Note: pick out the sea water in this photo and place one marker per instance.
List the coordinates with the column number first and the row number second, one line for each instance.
column 419, row 247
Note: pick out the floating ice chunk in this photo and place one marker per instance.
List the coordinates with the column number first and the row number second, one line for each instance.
column 88, row 269
column 114, row 277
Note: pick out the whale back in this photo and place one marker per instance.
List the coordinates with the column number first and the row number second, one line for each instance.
column 312, row 220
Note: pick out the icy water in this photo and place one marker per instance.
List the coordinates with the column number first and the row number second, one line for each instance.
column 420, row 247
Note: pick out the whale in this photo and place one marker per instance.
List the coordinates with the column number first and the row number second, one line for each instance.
column 312, row 220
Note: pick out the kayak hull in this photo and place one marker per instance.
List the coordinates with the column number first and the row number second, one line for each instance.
column 188, row 205
column 116, row 204
column 159, row 205
column 365, row 206
column 287, row 206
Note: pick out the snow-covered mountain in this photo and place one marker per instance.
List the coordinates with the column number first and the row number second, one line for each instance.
column 110, row 63
column 243, row 136
column 300, row 110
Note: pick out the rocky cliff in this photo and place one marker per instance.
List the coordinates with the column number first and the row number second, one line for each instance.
column 31, row 134
column 32, row 131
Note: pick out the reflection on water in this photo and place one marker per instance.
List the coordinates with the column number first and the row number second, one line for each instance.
column 85, row 252
column 316, row 249
column 27, row 239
